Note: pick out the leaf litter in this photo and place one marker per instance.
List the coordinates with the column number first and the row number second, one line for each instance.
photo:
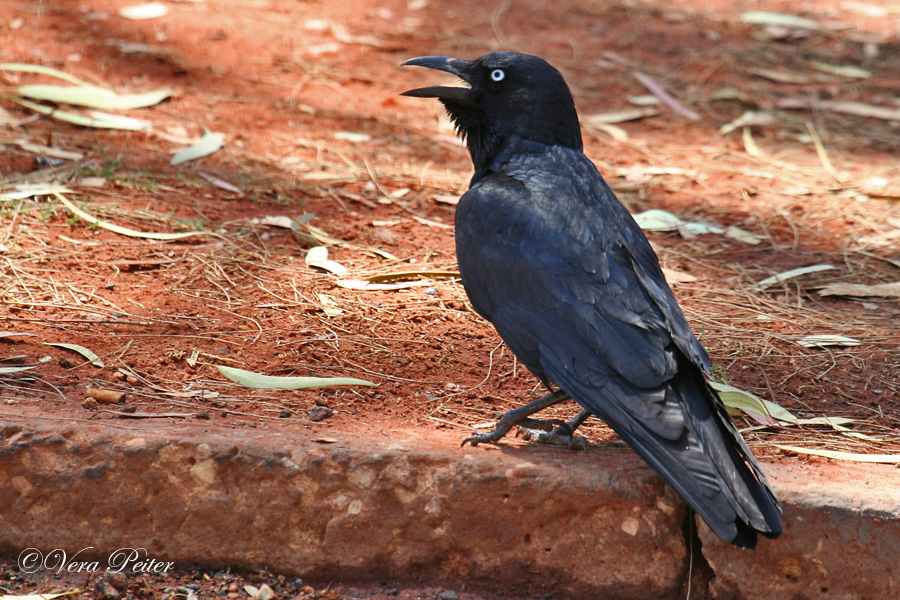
column 235, row 261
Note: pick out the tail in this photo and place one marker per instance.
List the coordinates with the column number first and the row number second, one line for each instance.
column 716, row 474
column 706, row 462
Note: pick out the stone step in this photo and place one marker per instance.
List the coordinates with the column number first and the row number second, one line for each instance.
column 414, row 507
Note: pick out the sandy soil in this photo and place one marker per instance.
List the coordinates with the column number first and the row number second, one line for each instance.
column 306, row 95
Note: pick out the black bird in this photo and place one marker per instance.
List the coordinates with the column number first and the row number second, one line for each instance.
column 553, row 260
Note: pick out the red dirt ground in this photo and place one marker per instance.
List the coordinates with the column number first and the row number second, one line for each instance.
column 287, row 81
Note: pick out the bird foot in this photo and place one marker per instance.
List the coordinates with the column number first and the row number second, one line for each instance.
column 507, row 422
column 520, row 416
column 561, row 436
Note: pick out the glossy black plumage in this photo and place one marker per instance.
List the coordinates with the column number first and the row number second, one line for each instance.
column 551, row 258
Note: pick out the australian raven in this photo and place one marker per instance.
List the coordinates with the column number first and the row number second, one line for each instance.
column 551, row 258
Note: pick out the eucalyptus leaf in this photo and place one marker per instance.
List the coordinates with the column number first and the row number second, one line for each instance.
column 9, row 370
column 738, row 399
column 85, row 352
column 762, row 17
column 842, row 70
column 317, row 257
column 884, row 290
column 387, row 277
column 850, row 456
column 123, row 230
column 257, row 380
column 208, row 144
column 42, row 70
column 784, row 276
column 91, row 96
column 821, row 341
column 97, row 120
column 368, row 286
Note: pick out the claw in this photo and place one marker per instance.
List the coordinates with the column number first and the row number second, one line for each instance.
column 482, row 438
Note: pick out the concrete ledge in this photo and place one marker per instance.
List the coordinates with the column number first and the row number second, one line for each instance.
column 841, row 539
column 414, row 507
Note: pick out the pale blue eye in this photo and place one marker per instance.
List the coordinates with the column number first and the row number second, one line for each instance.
column 498, row 75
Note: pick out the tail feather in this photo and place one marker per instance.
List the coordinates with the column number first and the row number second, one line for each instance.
column 709, row 465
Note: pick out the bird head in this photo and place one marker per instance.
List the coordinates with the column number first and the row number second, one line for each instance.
column 509, row 96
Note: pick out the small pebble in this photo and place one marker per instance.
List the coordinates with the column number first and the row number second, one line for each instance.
column 448, row 595
column 118, row 580
column 105, row 591
column 320, row 413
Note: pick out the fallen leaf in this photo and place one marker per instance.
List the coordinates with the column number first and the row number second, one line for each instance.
column 91, row 96
column 779, row 76
column 317, row 257
column 123, row 230
column 737, row 400
column 49, row 151
column 885, row 290
column 657, row 219
column 257, row 380
column 842, row 70
column 742, row 235
column 770, row 281
column 221, row 183
column 868, row 10
column 30, row 190
column 643, row 100
column 620, row 116
column 8, row 370
column 823, row 340
column 837, row 455
column 94, row 182
column 431, row 223
column 750, row 118
column 95, row 119
column 849, row 107
column 282, row 221
column 664, row 96
column 368, row 286
column 351, row 136
column 88, row 354
column 616, row 133
column 42, row 70
column 761, row 17
column 413, row 275
column 329, row 306
column 675, row 277
column 208, row 144
column 38, row 596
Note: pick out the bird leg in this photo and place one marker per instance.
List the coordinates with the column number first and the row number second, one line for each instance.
column 519, row 416
column 562, row 435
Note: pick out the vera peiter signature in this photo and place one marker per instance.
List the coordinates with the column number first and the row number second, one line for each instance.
column 135, row 560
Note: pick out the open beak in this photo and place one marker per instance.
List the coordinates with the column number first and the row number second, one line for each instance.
column 455, row 66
